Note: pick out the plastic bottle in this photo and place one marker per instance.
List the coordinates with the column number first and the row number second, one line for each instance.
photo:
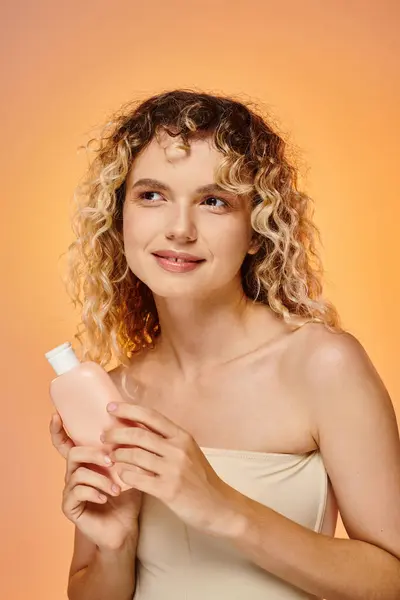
column 80, row 394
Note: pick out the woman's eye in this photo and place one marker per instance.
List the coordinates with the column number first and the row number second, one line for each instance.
column 143, row 196
column 214, row 200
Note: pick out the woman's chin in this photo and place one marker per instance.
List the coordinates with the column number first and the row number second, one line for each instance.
column 179, row 293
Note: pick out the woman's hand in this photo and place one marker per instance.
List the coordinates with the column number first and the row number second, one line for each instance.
column 184, row 480
column 104, row 515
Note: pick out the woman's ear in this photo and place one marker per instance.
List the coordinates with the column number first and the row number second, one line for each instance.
column 255, row 245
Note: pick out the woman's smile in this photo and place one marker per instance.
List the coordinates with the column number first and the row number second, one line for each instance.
column 177, row 262
column 177, row 265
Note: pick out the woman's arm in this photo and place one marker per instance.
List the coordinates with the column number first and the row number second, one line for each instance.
column 110, row 574
column 359, row 442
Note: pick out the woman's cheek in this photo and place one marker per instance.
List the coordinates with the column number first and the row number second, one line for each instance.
column 233, row 243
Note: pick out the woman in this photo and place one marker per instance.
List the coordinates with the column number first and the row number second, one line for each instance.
column 255, row 415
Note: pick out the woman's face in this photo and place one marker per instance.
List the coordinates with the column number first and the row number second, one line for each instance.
column 175, row 214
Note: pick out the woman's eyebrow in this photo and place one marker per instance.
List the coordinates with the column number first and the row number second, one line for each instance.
column 204, row 189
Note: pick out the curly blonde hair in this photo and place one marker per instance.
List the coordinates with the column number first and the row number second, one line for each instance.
column 117, row 309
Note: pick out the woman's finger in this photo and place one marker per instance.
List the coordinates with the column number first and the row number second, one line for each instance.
column 135, row 436
column 88, row 477
column 73, row 501
column 60, row 440
column 88, row 455
column 139, row 458
column 145, row 415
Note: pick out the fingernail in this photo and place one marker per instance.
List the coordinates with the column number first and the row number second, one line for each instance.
column 112, row 406
column 103, row 437
column 107, row 460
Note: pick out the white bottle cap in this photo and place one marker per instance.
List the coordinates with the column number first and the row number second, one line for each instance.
column 62, row 358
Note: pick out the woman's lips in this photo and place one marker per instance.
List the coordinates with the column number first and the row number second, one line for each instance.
column 177, row 265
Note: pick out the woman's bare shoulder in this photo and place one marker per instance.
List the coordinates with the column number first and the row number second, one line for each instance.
column 318, row 356
column 314, row 357
column 315, row 343
column 336, row 373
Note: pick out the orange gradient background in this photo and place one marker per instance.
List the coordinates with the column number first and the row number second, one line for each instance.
column 328, row 71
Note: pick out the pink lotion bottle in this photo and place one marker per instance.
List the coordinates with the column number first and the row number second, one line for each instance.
column 80, row 394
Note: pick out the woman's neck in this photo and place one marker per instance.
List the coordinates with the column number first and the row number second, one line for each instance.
column 198, row 335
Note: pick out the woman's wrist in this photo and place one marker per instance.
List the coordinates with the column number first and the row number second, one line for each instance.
column 128, row 544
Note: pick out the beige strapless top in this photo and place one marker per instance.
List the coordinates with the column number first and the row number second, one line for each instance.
column 177, row 562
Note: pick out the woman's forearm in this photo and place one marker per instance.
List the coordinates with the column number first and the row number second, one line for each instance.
column 331, row 568
column 111, row 574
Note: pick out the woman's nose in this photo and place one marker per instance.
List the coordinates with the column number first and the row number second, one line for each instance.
column 182, row 227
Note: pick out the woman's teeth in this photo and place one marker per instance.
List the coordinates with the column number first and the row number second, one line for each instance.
column 180, row 260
